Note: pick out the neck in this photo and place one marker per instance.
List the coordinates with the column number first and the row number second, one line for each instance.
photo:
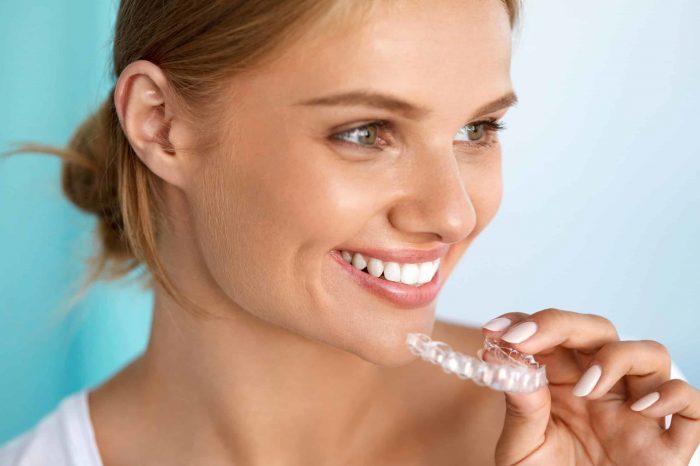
column 256, row 392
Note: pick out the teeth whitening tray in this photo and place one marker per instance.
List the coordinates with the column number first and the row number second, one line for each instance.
column 513, row 371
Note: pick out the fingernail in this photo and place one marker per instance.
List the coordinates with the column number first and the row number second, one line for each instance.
column 497, row 324
column 587, row 382
column 520, row 332
column 480, row 354
column 645, row 401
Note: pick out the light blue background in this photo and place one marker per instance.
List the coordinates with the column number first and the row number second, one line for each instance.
column 600, row 212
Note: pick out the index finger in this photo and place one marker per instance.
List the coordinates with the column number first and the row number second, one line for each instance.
column 552, row 327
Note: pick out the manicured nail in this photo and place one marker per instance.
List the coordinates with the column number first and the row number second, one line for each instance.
column 480, row 354
column 520, row 332
column 587, row 382
column 497, row 324
column 645, row 401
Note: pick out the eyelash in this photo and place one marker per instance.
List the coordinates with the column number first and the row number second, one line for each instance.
column 491, row 125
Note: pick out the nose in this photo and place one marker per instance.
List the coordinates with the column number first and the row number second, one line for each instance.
column 435, row 200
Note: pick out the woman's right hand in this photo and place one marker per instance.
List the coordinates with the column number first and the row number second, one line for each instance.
column 606, row 400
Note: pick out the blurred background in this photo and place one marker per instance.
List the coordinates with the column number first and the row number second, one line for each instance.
column 600, row 212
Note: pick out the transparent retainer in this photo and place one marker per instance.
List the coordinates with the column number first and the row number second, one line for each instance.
column 514, row 372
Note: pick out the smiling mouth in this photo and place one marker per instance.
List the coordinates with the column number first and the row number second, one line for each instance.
column 414, row 274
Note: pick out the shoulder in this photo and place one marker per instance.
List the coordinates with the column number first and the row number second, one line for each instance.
column 63, row 437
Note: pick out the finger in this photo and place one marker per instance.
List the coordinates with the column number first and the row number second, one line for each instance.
column 562, row 365
column 680, row 399
column 645, row 364
column 526, row 419
column 527, row 414
column 553, row 327
column 497, row 326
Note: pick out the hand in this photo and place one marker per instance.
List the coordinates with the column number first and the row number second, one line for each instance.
column 587, row 415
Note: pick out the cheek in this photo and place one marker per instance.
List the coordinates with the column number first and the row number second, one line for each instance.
column 223, row 225
column 237, row 233
column 266, row 215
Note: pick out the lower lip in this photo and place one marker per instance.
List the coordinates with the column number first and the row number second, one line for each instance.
column 399, row 294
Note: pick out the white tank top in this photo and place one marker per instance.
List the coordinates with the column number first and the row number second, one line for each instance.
column 65, row 437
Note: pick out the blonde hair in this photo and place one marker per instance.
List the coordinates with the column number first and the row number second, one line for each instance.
column 198, row 45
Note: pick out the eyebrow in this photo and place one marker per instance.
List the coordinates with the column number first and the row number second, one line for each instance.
column 397, row 105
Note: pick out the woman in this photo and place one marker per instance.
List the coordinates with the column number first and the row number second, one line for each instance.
column 301, row 177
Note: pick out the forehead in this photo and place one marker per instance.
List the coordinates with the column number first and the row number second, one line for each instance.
column 448, row 51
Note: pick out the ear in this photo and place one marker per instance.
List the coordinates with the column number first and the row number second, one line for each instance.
column 149, row 116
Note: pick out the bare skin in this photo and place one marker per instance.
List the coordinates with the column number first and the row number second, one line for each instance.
column 253, row 385
column 417, row 415
column 299, row 365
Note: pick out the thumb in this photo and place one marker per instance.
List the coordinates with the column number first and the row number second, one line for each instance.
column 525, row 423
column 526, row 420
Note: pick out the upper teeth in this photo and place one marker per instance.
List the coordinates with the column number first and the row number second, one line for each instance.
column 409, row 274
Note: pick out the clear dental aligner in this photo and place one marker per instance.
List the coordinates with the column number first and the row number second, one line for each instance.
column 515, row 372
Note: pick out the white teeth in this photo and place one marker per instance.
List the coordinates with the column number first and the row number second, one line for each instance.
column 392, row 271
column 409, row 274
column 426, row 271
column 375, row 267
column 358, row 261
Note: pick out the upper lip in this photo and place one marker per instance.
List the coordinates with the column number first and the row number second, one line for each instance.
column 404, row 255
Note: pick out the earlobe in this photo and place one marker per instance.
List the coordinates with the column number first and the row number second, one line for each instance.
column 146, row 115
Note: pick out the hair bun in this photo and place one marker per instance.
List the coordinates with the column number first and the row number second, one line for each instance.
column 89, row 174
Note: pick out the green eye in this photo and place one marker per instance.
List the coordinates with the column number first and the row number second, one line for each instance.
column 364, row 136
column 475, row 132
column 481, row 132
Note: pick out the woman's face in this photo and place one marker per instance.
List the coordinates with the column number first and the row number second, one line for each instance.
column 292, row 183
